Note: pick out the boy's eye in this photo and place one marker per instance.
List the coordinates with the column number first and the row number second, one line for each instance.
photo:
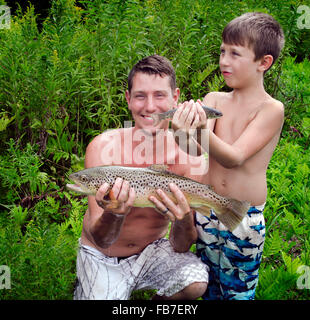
column 235, row 53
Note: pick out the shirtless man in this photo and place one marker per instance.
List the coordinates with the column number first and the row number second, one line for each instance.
column 240, row 146
column 124, row 249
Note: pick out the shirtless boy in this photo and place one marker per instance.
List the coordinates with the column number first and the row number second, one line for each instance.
column 241, row 144
column 123, row 249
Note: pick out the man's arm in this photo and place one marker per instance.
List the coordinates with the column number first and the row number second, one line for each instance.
column 183, row 233
column 104, row 223
column 106, row 227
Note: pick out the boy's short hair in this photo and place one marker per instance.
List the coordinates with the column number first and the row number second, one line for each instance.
column 258, row 31
column 153, row 65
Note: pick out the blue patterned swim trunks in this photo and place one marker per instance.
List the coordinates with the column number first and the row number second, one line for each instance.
column 233, row 257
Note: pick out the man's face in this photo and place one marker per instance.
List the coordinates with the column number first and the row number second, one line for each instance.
column 150, row 94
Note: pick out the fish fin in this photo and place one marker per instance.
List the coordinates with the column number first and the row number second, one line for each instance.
column 112, row 204
column 111, row 195
column 159, row 167
column 204, row 210
column 232, row 214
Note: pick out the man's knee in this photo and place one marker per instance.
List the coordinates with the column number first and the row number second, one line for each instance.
column 195, row 290
column 192, row 291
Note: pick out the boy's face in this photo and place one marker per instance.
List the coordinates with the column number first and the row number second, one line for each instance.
column 238, row 66
column 150, row 94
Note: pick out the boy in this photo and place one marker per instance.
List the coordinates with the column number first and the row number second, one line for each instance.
column 241, row 144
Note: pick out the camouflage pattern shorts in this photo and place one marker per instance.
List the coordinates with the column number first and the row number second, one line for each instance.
column 233, row 257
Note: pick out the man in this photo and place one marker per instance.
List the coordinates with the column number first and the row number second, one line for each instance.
column 123, row 249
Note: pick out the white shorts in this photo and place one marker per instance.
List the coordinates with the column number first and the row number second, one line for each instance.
column 158, row 267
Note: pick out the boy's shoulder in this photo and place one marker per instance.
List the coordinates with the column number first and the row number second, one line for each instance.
column 216, row 97
column 271, row 105
column 213, row 98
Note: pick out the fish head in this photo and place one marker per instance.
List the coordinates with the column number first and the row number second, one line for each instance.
column 213, row 114
column 87, row 181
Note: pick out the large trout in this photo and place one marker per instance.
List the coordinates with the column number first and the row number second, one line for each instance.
column 145, row 181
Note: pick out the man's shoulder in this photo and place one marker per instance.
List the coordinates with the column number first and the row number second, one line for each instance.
column 108, row 136
column 102, row 149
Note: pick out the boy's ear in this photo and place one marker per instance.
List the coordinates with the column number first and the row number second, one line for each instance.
column 266, row 62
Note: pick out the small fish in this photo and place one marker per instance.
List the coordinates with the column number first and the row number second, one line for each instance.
column 210, row 113
column 145, row 181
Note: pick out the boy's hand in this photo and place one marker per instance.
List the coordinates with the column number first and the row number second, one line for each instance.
column 189, row 117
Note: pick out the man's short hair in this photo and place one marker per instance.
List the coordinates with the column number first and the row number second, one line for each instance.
column 258, row 31
column 153, row 65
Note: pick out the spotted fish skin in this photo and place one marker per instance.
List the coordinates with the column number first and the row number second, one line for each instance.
column 210, row 113
column 145, row 181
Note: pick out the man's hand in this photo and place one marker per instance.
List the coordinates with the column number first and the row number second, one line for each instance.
column 122, row 197
column 168, row 208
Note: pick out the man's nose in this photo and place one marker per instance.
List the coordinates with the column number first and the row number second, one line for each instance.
column 150, row 105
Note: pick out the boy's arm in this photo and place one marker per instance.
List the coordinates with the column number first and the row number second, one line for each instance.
column 266, row 125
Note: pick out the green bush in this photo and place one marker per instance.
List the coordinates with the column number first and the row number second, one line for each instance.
column 287, row 217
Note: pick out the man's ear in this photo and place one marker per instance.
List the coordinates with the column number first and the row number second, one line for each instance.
column 266, row 62
column 176, row 95
column 127, row 94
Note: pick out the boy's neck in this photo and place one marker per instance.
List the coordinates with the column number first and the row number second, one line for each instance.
column 255, row 91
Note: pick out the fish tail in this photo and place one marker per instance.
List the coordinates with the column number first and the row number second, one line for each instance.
column 232, row 214
column 156, row 118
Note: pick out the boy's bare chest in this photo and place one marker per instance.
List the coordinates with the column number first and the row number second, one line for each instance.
column 233, row 123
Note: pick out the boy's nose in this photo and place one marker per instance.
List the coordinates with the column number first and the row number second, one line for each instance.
column 224, row 60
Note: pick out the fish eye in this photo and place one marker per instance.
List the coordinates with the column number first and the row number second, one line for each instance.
column 83, row 178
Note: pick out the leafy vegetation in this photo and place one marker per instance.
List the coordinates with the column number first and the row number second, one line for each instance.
column 64, row 83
